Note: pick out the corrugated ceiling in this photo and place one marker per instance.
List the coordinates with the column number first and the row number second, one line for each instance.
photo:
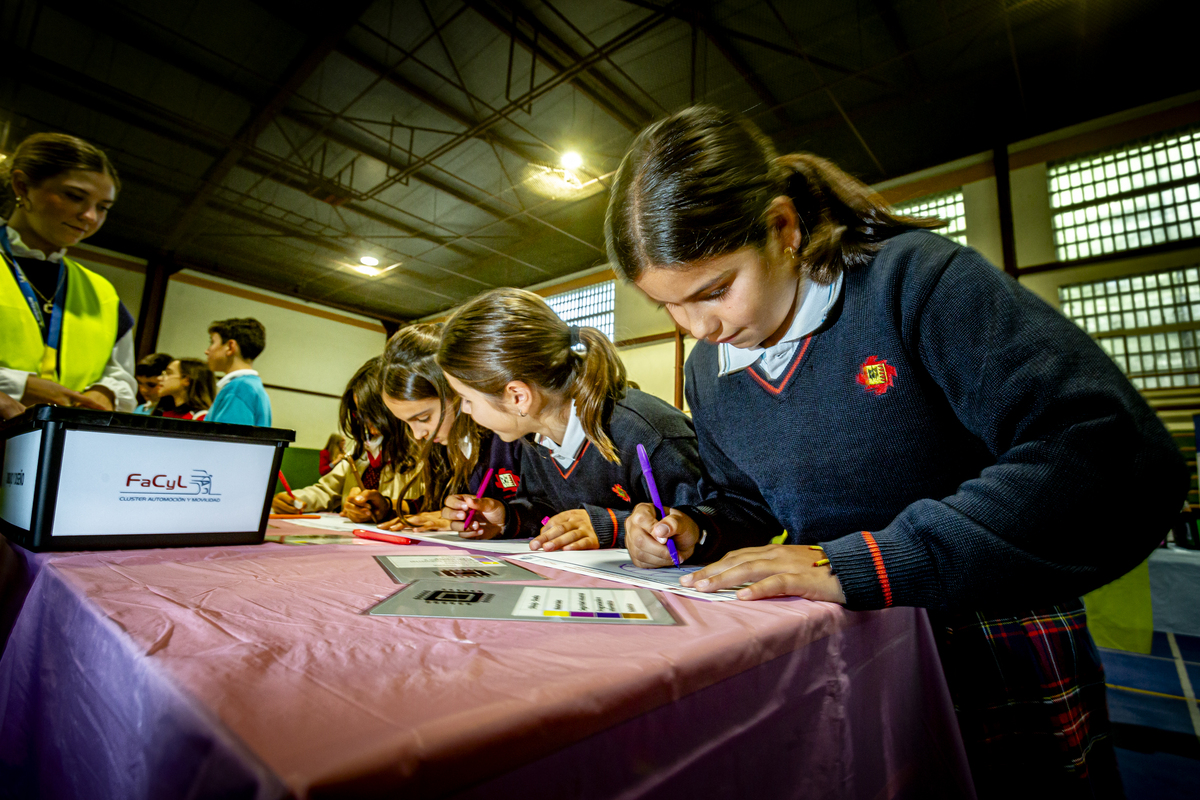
column 275, row 143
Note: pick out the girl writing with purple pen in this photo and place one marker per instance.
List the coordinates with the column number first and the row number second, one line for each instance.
column 515, row 366
column 928, row 432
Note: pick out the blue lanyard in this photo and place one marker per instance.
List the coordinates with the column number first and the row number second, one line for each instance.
column 52, row 333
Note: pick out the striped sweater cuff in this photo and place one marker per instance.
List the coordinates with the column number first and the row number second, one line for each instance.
column 881, row 569
column 608, row 524
column 862, row 571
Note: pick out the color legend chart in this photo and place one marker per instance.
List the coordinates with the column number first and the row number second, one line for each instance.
column 541, row 603
column 581, row 602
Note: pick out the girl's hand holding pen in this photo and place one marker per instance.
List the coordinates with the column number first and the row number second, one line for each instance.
column 284, row 503
column 646, row 536
column 367, row 505
column 795, row 570
column 570, row 530
column 425, row 522
column 489, row 515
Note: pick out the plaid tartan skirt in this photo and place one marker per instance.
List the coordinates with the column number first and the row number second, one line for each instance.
column 1028, row 689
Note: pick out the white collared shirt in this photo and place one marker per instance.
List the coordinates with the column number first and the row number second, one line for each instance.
column 21, row 251
column 118, row 372
column 816, row 301
column 572, row 443
column 231, row 375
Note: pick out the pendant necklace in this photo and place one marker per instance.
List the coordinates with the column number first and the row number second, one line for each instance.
column 48, row 302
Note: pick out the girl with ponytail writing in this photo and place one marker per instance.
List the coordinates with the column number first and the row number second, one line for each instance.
column 526, row 375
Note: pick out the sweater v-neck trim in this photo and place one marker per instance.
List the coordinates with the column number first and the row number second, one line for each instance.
column 776, row 388
column 578, row 457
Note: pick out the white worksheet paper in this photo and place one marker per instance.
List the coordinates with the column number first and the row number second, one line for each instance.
column 505, row 546
column 614, row 565
column 334, row 522
column 328, row 522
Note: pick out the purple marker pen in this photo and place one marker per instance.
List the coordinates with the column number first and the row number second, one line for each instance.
column 649, row 475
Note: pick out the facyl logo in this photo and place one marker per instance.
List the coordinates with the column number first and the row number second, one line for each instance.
column 162, row 487
column 14, row 478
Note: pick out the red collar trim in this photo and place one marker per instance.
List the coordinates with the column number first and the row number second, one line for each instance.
column 574, row 464
column 775, row 390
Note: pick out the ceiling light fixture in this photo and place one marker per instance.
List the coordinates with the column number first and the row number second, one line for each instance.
column 369, row 261
column 370, row 272
column 572, row 160
column 559, row 183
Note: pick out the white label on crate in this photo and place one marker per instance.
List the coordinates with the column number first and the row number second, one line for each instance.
column 19, row 478
column 118, row 483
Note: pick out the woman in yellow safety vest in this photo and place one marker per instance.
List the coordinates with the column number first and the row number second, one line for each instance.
column 65, row 336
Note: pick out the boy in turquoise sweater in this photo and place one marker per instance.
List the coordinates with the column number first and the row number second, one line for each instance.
column 241, row 398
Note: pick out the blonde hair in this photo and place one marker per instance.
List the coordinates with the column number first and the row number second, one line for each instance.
column 512, row 335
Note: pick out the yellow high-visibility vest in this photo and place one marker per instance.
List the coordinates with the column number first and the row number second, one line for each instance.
column 89, row 330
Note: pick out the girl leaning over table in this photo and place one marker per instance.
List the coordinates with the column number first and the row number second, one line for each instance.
column 451, row 452
column 373, row 481
column 65, row 336
column 928, row 432
column 560, row 394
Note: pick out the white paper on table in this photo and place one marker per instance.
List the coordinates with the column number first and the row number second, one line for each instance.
column 335, row 522
column 614, row 565
column 328, row 522
column 505, row 546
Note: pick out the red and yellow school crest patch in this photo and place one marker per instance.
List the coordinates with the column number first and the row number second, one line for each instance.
column 507, row 481
column 875, row 375
column 621, row 493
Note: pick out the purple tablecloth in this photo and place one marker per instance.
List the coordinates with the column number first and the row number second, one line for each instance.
column 252, row 671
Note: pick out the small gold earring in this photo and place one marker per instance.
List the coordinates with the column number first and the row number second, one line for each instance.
column 790, row 252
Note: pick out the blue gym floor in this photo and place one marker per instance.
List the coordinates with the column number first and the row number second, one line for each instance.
column 1156, row 727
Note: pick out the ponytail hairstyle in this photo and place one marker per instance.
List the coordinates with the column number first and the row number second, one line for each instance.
column 698, row 184
column 411, row 372
column 44, row 155
column 202, row 387
column 512, row 335
column 362, row 403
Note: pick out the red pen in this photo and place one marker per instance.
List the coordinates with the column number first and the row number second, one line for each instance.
column 283, row 480
column 487, row 476
column 382, row 537
column 295, row 502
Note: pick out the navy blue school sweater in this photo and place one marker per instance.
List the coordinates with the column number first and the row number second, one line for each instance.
column 608, row 491
column 949, row 439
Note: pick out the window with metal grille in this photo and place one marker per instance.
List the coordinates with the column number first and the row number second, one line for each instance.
column 947, row 205
column 1149, row 324
column 592, row 306
column 1136, row 195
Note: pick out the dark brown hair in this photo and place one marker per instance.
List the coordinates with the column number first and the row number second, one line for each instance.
column 512, row 335
column 249, row 333
column 153, row 365
column 44, row 155
column 202, row 387
column 362, row 402
column 411, row 372
column 697, row 185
